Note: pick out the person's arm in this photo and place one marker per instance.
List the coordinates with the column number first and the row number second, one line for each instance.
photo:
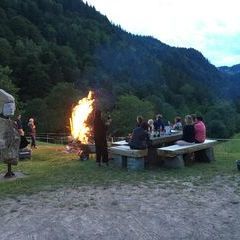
column 155, row 125
column 21, row 132
column 148, row 141
column 162, row 125
column 184, row 133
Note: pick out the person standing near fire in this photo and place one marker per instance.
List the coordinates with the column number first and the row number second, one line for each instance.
column 100, row 138
column 19, row 125
column 24, row 142
column 32, row 132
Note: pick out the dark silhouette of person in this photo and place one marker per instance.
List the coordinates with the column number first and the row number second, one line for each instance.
column 19, row 125
column 140, row 137
column 24, row 142
column 139, row 121
column 158, row 123
column 100, row 138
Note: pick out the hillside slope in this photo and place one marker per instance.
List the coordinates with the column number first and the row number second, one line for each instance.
column 45, row 42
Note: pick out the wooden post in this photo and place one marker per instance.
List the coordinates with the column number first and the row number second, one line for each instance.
column 9, row 173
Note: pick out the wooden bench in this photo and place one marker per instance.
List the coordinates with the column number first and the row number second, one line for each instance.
column 173, row 156
column 124, row 156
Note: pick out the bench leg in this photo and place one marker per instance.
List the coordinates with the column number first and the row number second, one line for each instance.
column 206, row 155
column 119, row 161
column 174, row 162
column 152, row 157
column 124, row 161
column 135, row 163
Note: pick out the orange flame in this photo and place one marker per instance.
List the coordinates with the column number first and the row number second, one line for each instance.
column 78, row 122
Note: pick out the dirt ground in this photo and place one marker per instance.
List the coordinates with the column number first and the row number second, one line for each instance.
column 168, row 210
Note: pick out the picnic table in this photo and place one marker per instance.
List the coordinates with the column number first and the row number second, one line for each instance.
column 161, row 141
column 155, row 142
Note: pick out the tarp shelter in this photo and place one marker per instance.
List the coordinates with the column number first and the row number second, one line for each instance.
column 9, row 136
column 7, row 104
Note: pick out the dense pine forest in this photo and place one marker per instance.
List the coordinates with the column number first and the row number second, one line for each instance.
column 53, row 51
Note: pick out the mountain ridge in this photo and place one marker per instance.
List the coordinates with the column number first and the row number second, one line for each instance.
column 230, row 70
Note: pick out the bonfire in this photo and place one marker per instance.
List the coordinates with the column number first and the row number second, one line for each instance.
column 81, row 139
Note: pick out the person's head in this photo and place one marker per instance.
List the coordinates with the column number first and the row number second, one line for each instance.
column 199, row 118
column 31, row 120
column 188, row 120
column 139, row 119
column 177, row 119
column 194, row 117
column 159, row 116
column 144, row 125
column 150, row 122
column 19, row 116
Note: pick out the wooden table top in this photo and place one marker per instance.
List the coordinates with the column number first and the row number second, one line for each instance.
column 120, row 143
column 164, row 138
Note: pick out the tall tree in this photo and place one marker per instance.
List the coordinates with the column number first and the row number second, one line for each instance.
column 6, row 82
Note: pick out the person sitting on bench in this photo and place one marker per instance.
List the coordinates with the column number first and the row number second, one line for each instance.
column 158, row 123
column 140, row 137
column 178, row 124
column 188, row 132
column 200, row 130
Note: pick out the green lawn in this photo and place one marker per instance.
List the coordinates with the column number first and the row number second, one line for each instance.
column 50, row 168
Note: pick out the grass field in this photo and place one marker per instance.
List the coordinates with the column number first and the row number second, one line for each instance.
column 50, row 168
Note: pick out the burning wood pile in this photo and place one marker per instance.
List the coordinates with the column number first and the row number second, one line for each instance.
column 81, row 140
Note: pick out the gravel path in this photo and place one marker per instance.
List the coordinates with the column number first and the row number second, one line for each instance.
column 145, row 211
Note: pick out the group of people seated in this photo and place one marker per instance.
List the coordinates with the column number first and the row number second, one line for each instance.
column 152, row 125
column 140, row 137
column 194, row 130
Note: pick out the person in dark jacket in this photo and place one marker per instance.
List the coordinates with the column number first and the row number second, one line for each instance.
column 188, row 132
column 140, row 137
column 158, row 123
column 24, row 142
column 100, row 138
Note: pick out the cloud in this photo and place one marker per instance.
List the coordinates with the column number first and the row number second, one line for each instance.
column 184, row 23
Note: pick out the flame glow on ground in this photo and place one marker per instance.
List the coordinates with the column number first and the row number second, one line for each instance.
column 79, row 128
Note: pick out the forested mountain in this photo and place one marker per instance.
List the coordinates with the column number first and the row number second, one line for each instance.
column 55, row 50
column 231, row 70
